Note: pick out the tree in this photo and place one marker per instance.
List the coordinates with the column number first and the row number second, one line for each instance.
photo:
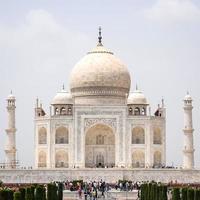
column 28, row 195
column 32, row 192
column 176, row 194
column 40, row 193
column 6, row 194
column 197, row 194
column 60, row 191
column 164, row 192
column 184, row 193
column 190, row 194
column 52, row 191
column 17, row 196
column 23, row 192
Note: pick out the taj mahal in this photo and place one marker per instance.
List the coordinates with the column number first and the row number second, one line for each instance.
column 100, row 129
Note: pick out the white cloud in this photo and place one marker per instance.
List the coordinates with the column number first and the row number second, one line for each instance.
column 36, row 57
column 40, row 42
column 173, row 11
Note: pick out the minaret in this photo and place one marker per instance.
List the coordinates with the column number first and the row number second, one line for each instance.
column 10, row 148
column 188, row 151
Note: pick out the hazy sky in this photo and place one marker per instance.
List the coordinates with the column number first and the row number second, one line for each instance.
column 41, row 41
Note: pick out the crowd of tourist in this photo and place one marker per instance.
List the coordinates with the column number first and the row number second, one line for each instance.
column 97, row 189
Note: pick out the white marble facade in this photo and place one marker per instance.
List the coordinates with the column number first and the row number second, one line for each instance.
column 100, row 123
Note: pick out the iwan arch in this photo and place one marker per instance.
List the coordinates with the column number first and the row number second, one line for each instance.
column 99, row 123
column 100, row 146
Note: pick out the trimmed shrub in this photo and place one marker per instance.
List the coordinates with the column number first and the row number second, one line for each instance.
column 6, row 194
column 49, row 191
column 197, row 194
column 176, row 194
column 141, row 194
column 17, row 196
column 190, row 194
column 28, row 194
column 40, row 193
column 10, row 194
column 32, row 192
column 149, row 191
column 152, row 192
column 164, row 192
column 23, row 192
column 52, row 191
column 3, row 194
column 60, row 191
column 184, row 193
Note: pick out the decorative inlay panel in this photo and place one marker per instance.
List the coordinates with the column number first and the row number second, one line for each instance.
column 89, row 122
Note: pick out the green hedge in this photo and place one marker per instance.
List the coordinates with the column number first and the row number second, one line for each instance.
column 184, row 193
column 17, row 196
column 40, row 193
column 52, row 190
column 176, row 194
column 197, row 194
column 60, row 191
column 23, row 192
column 190, row 194
column 6, row 194
column 153, row 191
column 28, row 194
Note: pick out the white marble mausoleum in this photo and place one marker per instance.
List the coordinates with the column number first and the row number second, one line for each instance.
column 99, row 122
column 99, row 130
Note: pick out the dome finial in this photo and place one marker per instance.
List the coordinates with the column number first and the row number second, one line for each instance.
column 100, row 37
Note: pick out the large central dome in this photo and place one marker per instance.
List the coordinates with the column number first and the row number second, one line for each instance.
column 99, row 77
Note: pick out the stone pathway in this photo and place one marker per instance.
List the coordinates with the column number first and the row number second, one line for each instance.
column 111, row 195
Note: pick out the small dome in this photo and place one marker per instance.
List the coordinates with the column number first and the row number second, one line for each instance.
column 188, row 97
column 63, row 97
column 11, row 96
column 137, row 97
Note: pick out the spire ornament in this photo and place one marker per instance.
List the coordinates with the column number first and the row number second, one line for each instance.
column 100, row 37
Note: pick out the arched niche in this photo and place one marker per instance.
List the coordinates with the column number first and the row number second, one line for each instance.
column 42, row 159
column 138, row 135
column 138, row 159
column 100, row 146
column 157, row 159
column 61, row 159
column 42, row 136
column 62, row 135
column 157, row 136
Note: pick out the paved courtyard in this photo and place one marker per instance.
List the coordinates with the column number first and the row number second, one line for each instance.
column 111, row 195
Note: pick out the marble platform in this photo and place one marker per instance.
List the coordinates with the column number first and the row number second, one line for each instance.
column 109, row 175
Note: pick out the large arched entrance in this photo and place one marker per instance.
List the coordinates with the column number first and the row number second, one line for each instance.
column 100, row 146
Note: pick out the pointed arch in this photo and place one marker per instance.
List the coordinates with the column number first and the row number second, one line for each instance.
column 62, row 135
column 61, row 159
column 100, row 146
column 42, row 136
column 157, row 158
column 42, row 159
column 138, row 159
column 138, row 135
column 137, row 111
column 157, row 136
